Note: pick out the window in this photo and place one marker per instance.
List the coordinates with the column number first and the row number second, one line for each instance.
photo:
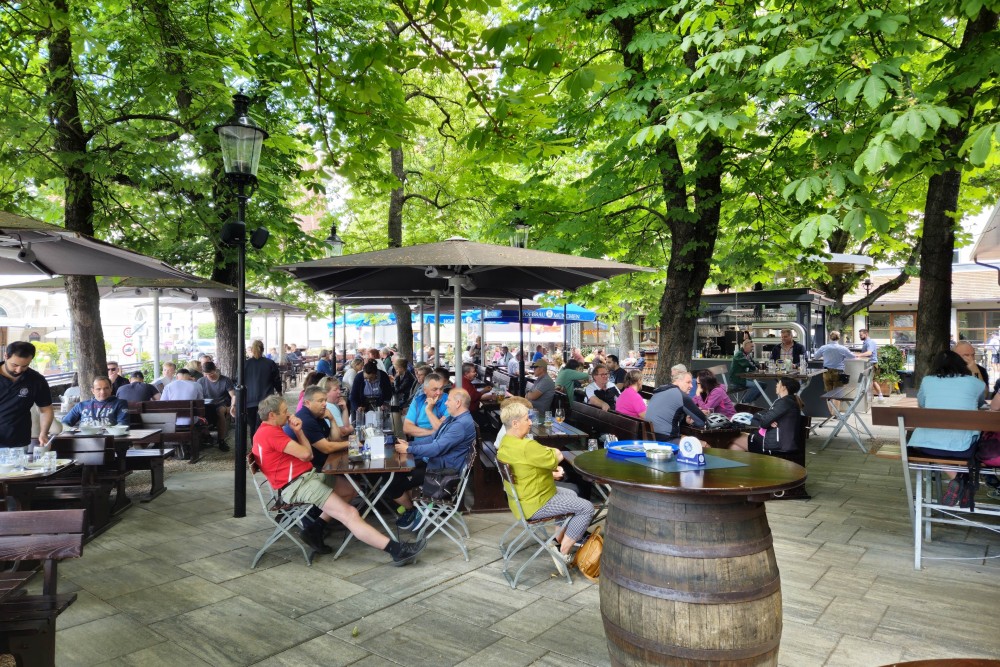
column 886, row 328
column 978, row 326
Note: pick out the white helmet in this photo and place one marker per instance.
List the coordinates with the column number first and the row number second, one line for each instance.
column 743, row 418
column 715, row 420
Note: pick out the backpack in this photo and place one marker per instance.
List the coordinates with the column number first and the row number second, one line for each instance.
column 988, row 449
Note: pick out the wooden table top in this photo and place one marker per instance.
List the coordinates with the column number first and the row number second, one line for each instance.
column 762, row 474
column 556, row 430
column 768, row 375
column 132, row 435
column 339, row 464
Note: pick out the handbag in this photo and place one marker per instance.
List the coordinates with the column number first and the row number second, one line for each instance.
column 440, row 483
column 588, row 557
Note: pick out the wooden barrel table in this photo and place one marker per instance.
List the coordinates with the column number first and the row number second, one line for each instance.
column 688, row 575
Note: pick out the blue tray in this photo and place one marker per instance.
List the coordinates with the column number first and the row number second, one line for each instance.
column 630, row 448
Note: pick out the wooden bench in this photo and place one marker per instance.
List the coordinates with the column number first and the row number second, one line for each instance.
column 798, row 456
column 188, row 420
column 90, row 486
column 595, row 421
column 28, row 622
column 923, row 500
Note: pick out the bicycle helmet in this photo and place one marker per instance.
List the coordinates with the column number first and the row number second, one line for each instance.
column 743, row 418
column 715, row 420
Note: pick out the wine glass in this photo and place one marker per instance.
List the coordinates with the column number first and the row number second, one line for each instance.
column 560, row 415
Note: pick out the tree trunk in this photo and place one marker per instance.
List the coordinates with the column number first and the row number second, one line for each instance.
column 226, row 320
column 626, row 337
column 404, row 325
column 70, row 146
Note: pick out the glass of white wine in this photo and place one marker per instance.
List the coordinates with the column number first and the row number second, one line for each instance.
column 560, row 415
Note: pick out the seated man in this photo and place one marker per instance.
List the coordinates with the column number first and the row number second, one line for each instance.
column 743, row 362
column 287, row 465
column 448, row 447
column 427, row 411
column 601, row 393
column 323, row 364
column 169, row 375
column 183, row 388
column 475, row 395
column 137, row 391
column 543, row 390
column 103, row 409
column 670, row 406
column 222, row 392
column 617, row 372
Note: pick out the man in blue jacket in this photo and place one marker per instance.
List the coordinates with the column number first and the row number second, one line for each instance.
column 448, row 447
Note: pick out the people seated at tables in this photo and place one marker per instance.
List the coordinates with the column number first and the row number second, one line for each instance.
column 514, row 365
column 539, row 353
column 543, row 390
column 372, row 389
column 352, row 371
column 273, row 354
column 324, row 365
column 629, row 360
column 446, row 376
column 712, row 396
column 601, row 393
column 287, row 463
column 427, row 411
column 103, row 409
column 788, row 348
column 630, row 402
column 949, row 386
column 569, row 378
column 169, row 373
column 115, row 375
column 220, row 390
column 617, row 372
column 404, row 386
column 780, row 426
column 677, row 369
column 476, row 395
column 535, row 470
column 194, row 367
column 743, row 362
column 447, row 447
column 336, row 404
column 183, row 388
column 385, row 358
column 312, row 379
column 968, row 354
column 137, row 391
column 640, row 362
column 670, row 406
column 834, row 355
column 505, row 356
column 292, row 354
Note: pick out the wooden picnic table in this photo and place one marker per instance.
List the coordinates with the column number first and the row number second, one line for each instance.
column 18, row 488
column 559, row 435
column 135, row 436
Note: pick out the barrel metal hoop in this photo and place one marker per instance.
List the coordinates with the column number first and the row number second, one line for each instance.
column 627, row 641
column 710, row 597
column 731, row 512
column 763, row 543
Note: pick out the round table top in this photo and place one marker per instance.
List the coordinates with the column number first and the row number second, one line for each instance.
column 762, row 474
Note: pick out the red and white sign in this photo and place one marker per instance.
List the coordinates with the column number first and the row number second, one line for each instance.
column 127, row 332
column 128, row 350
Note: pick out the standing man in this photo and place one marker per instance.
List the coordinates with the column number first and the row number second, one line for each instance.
column 262, row 379
column 601, row 393
column 789, row 349
column 138, row 391
column 834, row 355
column 20, row 388
column 103, row 409
column 869, row 350
column 222, row 392
column 115, row 375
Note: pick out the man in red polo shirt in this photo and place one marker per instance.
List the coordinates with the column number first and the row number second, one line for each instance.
column 475, row 395
column 286, row 464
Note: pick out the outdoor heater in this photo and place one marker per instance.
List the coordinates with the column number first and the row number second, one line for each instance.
column 241, row 140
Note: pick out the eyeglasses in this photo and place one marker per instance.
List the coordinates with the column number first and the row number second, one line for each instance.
column 112, row 368
column 602, row 375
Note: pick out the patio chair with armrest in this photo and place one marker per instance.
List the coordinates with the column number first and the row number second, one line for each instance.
column 533, row 531
column 283, row 515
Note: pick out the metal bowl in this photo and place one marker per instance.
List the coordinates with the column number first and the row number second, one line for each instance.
column 659, row 454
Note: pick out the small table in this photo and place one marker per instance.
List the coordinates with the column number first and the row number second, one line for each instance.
column 757, row 376
column 683, row 549
column 560, row 435
column 338, row 463
column 122, row 444
column 18, row 488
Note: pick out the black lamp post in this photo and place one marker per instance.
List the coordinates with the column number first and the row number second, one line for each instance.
column 867, row 284
column 336, row 245
column 241, row 139
column 519, row 229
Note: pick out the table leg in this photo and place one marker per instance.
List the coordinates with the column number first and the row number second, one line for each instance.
column 760, row 388
column 380, row 486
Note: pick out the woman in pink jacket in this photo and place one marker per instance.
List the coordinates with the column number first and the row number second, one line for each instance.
column 712, row 395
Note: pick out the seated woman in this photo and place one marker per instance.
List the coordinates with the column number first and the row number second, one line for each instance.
column 780, row 427
column 950, row 386
column 712, row 395
column 536, row 469
column 630, row 402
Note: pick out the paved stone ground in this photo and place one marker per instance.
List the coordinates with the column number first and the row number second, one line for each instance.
column 171, row 584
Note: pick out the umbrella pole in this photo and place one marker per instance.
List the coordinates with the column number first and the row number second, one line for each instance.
column 437, row 330
column 482, row 339
column 423, row 325
column 457, row 363
column 520, row 326
column 156, row 333
column 565, row 337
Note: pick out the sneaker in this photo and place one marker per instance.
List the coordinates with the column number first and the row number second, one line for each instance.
column 223, row 447
column 313, row 537
column 562, row 560
column 951, row 494
column 994, row 493
column 408, row 552
column 411, row 519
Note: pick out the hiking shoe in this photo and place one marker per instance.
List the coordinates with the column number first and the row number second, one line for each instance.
column 313, row 537
column 408, row 552
column 952, row 493
column 411, row 519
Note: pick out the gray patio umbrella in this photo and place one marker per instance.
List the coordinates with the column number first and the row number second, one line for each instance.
column 456, row 264
column 30, row 247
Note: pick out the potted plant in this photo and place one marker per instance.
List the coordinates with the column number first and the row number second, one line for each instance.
column 890, row 362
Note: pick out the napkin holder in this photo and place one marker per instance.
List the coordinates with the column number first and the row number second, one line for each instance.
column 690, row 452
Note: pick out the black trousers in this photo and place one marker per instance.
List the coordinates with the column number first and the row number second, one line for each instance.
column 401, row 483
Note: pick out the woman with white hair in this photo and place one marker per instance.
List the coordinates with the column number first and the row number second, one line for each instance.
column 536, row 469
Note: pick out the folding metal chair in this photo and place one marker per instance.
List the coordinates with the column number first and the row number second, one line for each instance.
column 446, row 515
column 843, row 417
column 539, row 531
column 284, row 516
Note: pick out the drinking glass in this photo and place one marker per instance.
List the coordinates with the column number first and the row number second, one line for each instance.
column 560, row 415
column 548, row 417
column 591, row 444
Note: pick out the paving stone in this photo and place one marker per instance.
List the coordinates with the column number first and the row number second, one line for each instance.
column 165, row 654
column 581, row 637
column 231, row 564
column 507, row 652
column 349, row 610
column 534, row 619
column 176, row 597
column 852, row 651
column 852, row 616
column 135, row 576
column 804, row 645
column 478, row 602
column 323, row 650
column 88, row 607
column 292, row 589
column 103, row 639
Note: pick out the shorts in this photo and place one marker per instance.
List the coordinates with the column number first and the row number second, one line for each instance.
column 832, row 378
column 309, row 487
column 755, row 444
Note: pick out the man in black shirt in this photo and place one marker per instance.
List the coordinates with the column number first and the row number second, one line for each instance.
column 137, row 390
column 115, row 375
column 261, row 379
column 20, row 388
